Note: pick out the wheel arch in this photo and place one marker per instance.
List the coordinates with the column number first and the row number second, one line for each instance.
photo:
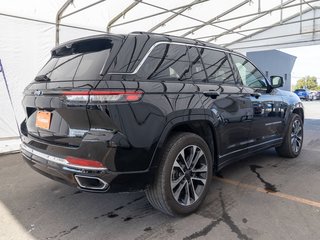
column 299, row 111
column 200, row 125
column 294, row 109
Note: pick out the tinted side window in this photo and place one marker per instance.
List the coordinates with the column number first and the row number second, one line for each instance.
column 167, row 62
column 130, row 54
column 198, row 73
column 249, row 74
column 217, row 66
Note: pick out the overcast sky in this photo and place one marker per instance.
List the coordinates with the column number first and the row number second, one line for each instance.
column 307, row 62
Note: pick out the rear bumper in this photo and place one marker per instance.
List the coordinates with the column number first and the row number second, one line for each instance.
column 92, row 179
column 59, row 169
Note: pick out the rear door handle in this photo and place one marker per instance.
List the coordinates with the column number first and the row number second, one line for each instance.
column 212, row 94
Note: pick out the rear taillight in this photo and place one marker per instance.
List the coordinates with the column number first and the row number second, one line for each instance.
column 98, row 96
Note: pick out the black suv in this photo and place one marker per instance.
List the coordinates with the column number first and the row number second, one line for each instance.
column 152, row 112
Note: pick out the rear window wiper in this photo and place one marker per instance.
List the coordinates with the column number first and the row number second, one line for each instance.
column 42, row 78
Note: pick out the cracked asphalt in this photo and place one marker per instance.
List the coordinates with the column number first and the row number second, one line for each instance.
column 269, row 198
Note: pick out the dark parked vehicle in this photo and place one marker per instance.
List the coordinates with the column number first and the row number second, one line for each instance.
column 152, row 112
column 315, row 95
column 304, row 94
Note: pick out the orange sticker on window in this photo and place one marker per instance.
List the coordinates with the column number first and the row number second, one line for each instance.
column 43, row 119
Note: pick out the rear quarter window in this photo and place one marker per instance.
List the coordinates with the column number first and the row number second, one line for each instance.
column 130, row 54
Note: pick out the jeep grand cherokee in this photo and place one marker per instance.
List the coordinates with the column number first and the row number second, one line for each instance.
column 152, row 112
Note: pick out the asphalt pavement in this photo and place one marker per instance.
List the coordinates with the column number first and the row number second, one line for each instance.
column 261, row 197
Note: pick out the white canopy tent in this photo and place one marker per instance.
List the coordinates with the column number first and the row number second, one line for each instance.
column 30, row 29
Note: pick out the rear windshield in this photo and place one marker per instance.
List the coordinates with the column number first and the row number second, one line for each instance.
column 83, row 60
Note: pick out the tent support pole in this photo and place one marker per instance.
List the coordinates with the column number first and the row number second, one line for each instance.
column 58, row 19
column 183, row 9
column 249, row 21
column 116, row 18
column 216, row 18
column 81, row 9
column 244, row 16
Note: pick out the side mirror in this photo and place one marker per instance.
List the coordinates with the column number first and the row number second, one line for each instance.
column 276, row 81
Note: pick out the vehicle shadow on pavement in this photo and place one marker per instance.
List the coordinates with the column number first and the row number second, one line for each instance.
column 50, row 210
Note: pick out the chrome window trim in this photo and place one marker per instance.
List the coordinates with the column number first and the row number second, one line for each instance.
column 164, row 42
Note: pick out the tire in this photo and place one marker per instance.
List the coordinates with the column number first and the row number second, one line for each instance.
column 293, row 140
column 191, row 178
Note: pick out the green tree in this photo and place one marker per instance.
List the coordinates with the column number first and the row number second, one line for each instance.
column 309, row 82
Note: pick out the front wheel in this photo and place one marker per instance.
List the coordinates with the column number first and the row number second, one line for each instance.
column 183, row 177
column 292, row 142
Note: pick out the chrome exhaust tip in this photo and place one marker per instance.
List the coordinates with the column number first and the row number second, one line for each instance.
column 91, row 183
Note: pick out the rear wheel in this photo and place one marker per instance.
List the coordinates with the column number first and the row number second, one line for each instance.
column 183, row 177
column 292, row 143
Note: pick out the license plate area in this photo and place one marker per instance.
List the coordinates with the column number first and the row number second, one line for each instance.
column 43, row 119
